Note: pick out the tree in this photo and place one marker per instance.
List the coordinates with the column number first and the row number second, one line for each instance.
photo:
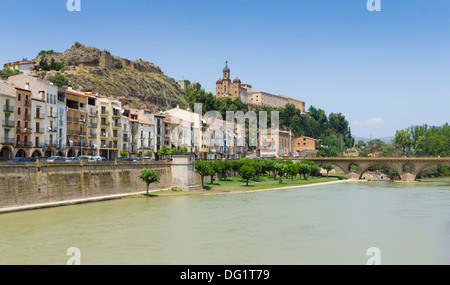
column 203, row 169
column 247, row 172
column 59, row 80
column 149, row 176
column 124, row 154
column 304, row 169
column 281, row 168
column 149, row 154
column 292, row 170
column 236, row 165
column 328, row 167
column 258, row 168
column 163, row 151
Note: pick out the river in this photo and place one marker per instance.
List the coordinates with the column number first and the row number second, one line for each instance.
column 332, row 224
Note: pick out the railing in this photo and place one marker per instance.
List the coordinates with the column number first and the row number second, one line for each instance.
column 52, row 115
column 92, row 135
column 39, row 145
column 27, row 117
column 93, row 114
column 27, row 102
column 39, row 116
column 8, row 141
column 105, row 123
column 39, row 131
column 9, row 124
column 24, row 144
column 51, row 143
column 24, row 130
column 118, row 125
column 92, row 124
column 125, row 138
column 52, row 129
column 8, row 108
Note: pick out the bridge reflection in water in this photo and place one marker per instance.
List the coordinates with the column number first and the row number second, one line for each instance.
column 407, row 167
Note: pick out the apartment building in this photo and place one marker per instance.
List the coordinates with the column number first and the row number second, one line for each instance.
column 7, row 131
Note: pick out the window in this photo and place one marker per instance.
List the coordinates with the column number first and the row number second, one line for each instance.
column 18, row 111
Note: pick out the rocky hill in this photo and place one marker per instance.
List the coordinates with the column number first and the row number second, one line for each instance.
column 138, row 83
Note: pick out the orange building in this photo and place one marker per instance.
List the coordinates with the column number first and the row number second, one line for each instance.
column 305, row 146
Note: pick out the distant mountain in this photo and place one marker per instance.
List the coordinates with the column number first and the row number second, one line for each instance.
column 384, row 139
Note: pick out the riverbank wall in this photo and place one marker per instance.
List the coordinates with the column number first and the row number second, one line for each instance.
column 38, row 183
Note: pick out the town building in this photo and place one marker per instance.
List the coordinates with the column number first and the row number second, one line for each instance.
column 274, row 143
column 7, row 132
column 305, row 146
column 110, row 112
column 77, row 119
column 24, row 66
column 23, row 123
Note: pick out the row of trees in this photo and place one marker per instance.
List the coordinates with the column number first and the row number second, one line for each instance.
column 415, row 141
column 332, row 130
column 254, row 168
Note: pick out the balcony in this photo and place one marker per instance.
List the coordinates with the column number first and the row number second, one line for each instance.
column 8, row 109
column 125, row 138
column 8, row 141
column 27, row 117
column 51, row 143
column 118, row 125
column 39, row 131
column 39, row 116
column 73, row 119
column 92, row 136
column 8, row 124
column 24, row 130
column 105, row 124
column 27, row 102
column 52, row 115
column 24, row 144
column 52, row 129
column 93, row 114
column 92, row 125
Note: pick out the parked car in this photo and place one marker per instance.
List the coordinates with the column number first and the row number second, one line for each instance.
column 97, row 158
column 127, row 159
column 19, row 159
column 84, row 156
column 73, row 159
column 56, row 159
column 137, row 159
column 2, row 159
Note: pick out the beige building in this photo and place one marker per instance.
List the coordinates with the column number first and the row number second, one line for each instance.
column 266, row 99
column 305, row 146
column 275, row 143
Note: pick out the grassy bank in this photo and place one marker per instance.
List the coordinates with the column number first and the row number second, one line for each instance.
column 235, row 184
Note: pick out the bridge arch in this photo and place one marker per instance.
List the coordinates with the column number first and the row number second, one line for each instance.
column 393, row 171
column 423, row 167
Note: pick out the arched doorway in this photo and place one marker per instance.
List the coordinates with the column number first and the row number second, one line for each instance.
column 36, row 153
column 49, row 152
column 71, row 153
column 6, row 152
column 21, row 153
column 59, row 153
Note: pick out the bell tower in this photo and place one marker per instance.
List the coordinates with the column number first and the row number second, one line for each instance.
column 226, row 72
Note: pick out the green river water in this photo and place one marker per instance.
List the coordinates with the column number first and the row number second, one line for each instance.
column 332, row 224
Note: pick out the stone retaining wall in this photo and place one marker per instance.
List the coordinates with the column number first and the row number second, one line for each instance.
column 34, row 183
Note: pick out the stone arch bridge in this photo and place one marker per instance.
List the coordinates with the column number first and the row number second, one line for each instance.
column 407, row 167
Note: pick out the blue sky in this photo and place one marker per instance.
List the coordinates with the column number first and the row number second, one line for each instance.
column 383, row 70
